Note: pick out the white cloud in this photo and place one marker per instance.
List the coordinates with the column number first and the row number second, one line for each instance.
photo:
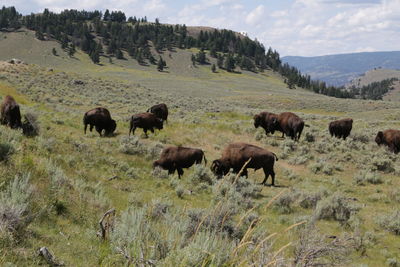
column 256, row 15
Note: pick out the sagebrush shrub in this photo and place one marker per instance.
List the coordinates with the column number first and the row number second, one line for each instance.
column 390, row 222
column 336, row 207
column 14, row 205
column 6, row 150
column 363, row 177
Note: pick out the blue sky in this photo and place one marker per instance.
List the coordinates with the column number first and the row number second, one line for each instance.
column 292, row 27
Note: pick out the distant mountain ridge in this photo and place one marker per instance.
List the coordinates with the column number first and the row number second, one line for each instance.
column 340, row 69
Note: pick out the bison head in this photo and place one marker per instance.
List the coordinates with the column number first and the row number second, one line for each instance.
column 159, row 124
column 156, row 164
column 219, row 168
column 257, row 120
column 379, row 138
column 273, row 125
column 112, row 125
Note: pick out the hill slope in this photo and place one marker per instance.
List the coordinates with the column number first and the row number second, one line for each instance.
column 346, row 191
column 340, row 69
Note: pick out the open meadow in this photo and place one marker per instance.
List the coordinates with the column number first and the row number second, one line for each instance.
column 335, row 201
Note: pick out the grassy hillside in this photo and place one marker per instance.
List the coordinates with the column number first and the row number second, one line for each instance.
column 327, row 188
column 377, row 75
column 340, row 69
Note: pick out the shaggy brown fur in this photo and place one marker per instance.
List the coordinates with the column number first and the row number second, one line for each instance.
column 100, row 118
column 178, row 157
column 10, row 113
column 341, row 128
column 268, row 121
column 146, row 121
column 160, row 110
column 390, row 138
column 236, row 155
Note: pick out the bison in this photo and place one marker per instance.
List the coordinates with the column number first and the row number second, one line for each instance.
column 268, row 121
column 178, row 157
column 341, row 128
column 146, row 121
column 391, row 138
column 10, row 113
column 290, row 124
column 235, row 156
column 101, row 119
column 160, row 110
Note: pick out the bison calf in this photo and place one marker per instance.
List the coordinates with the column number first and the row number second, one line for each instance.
column 146, row 121
column 10, row 113
column 341, row 128
column 100, row 118
column 236, row 155
column 160, row 110
column 390, row 138
column 176, row 158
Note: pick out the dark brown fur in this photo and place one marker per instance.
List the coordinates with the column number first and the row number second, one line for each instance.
column 390, row 138
column 268, row 121
column 10, row 113
column 100, row 118
column 146, row 121
column 178, row 157
column 235, row 155
column 341, row 128
column 160, row 110
column 290, row 124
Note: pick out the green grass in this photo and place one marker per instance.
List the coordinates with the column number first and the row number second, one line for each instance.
column 207, row 111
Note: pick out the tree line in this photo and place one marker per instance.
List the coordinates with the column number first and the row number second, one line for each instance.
column 112, row 34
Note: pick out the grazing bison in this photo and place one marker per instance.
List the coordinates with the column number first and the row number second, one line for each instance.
column 236, row 155
column 10, row 114
column 268, row 121
column 178, row 157
column 146, row 121
column 290, row 124
column 391, row 138
column 160, row 110
column 341, row 128
column 101, row 119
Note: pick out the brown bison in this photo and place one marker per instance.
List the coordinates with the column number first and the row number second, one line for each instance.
column 178, row 157
column 235, row 155
column 391, row 138
column 160, row 110
column 10, row 113
column 268, row 121
column 146, row 121
column 341, row 128
column 290, row 124
column 101, row 119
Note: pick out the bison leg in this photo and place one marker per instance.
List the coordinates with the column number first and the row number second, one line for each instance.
column 152, row 130
column 99, row 129
column 84, row 129
column 132, row 130
column 145, row 132
column 268, row 172
column 180, row 172
column 91, row 127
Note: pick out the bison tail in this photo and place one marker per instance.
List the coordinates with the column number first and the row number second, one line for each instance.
column 276, row 157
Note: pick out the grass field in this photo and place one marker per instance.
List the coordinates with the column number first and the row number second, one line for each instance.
column 326, row 187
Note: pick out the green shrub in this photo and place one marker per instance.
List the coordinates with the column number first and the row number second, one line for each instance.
column 393, row 262
column 390, row 222
column 6, row 150
column 363, row 177
column 14, row 206
column 283, row 204
column 336, row 207
column 381, row 163
column 201, row 174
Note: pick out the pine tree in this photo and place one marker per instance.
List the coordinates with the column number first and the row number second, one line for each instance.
column 71, row 50
column 213, row 68
column 193, row 58
column 119, row 54
column 220, row 61
column 39, row 35
column 229, row 63
column 160, row 64
column 54, row 51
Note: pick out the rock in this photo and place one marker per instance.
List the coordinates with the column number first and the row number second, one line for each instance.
column 15, row 61
column 78, row 82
